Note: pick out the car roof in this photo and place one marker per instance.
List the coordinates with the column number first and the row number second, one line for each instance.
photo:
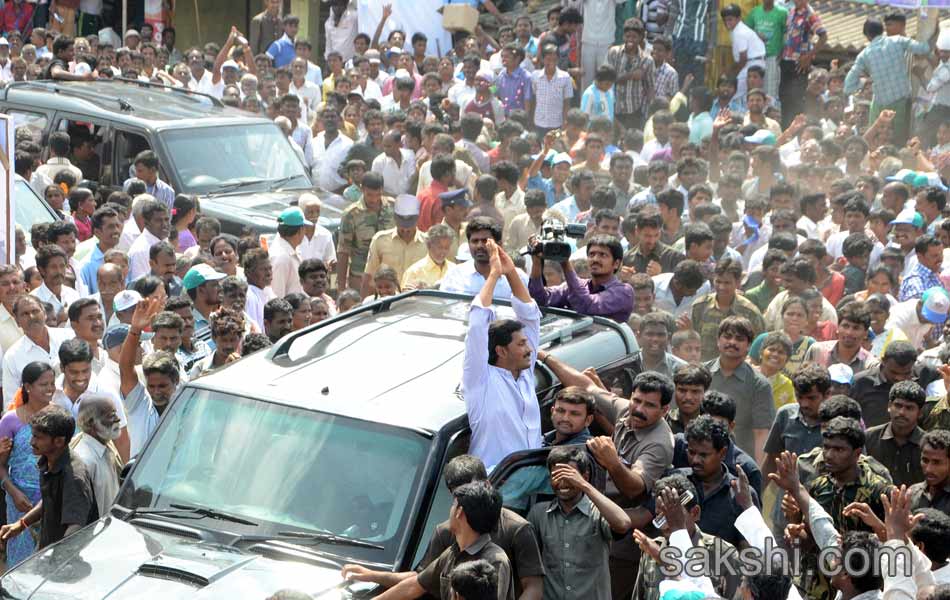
column 397, row 361
column 147, row 105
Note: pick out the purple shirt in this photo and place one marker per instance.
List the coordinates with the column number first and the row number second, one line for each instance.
column 10, row 424
column 513, row 90
column 613, row 299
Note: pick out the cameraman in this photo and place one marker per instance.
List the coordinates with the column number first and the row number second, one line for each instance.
column 601, row 295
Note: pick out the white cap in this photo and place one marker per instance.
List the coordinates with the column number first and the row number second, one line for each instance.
column 125, row 300
column 230, row 64
column 406, row 205
column 562, row 157
column 943, row 40
column 132, row 32
column 841, row 373
column 402, row 73
column 4, row 41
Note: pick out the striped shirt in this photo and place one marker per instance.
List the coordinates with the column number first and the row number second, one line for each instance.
column 633, row 96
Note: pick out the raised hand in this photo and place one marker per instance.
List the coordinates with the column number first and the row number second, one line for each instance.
column 647, row 545
column 144, row 312
column 494, row 260
column 897, row 518
column 786, row 472
column 740, row 486
column 863, row 512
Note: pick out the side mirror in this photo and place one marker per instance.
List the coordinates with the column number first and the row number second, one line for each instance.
column 126, row 470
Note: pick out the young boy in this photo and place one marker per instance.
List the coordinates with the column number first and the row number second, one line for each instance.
column 598, row 99
column 856, row 249
column 577, row 526
column 355, row 169
column 686, row 345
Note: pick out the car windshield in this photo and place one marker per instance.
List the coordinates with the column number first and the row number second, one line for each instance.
column 29, row 208
column 250, row 157
column 285, row 468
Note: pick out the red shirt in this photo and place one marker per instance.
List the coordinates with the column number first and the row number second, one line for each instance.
column 430, row 206
column 833, row 290
column 11, row 18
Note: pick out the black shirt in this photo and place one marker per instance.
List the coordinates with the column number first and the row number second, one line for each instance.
column 436, row 578
column 903, row 462
column 56, row 62
column 513, row 534
column 67, row 495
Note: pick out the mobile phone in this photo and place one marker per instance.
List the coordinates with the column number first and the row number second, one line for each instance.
column 660, row 521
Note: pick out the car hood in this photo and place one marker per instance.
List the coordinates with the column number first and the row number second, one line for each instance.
column 260, row 209
column 114, row 559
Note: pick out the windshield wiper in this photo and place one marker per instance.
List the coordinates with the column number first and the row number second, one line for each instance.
column 277, row 183
column 237, row 185
column 303, row 538
column 186, row 511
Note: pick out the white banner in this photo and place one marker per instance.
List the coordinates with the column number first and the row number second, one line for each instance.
column 7, row 212
column 409, row 16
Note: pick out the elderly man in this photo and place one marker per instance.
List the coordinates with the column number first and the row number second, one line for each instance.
column 100, row 427
column 429, row 271
column 39, row 343
column 398, row 247
column 317, row 240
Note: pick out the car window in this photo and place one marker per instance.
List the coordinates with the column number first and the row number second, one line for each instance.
column 285, row 468
column 127, row 146
column 34, row 122
column 29, row 208
column 442, row 501
column 88, row 142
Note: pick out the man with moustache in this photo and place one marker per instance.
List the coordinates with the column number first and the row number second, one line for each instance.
column 39, row 343
column 100, row 427
column 636, row 456
column 471, row 276
column 601, row 295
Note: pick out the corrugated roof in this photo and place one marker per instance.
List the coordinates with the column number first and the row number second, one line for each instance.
column 844, row 21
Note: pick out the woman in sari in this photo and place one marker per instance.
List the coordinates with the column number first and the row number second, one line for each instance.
column 18, row 472
column 794, row 322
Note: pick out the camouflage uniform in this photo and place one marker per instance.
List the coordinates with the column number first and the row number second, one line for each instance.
column 868, row 489
column 811, row 464
column 936, row 414
column 649, row 574
column 357, row 228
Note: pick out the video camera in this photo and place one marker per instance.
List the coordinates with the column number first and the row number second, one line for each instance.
column 551, row 244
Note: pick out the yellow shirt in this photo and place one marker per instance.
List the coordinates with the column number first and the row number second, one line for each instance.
column 510, row 207
column 783, row 390
column 425, row 272
column 387, row 248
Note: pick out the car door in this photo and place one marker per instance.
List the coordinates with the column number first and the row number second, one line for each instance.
column 100, row 132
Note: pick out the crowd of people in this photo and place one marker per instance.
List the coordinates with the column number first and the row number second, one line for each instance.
column 774, row 238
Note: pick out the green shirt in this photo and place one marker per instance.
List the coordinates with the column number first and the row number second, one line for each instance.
column 770, row 25
column 761, row 295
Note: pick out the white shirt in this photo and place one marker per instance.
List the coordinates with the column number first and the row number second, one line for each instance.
column 284, row 261
column 138, row 254
column 835, row 246
column 461, row 94
column 503, row 411
column 310, row 96
column 6, row 71
column 205, row 85
column 95, row 387
column 327, row 160
column 53, row 167
column 464, row 279
column 24, row 351
column 319, row 246
column 143, row 418
column 463, row 173
column 340, row 36
column 100, row 462
column 395, row 177
column 254, row 306
column 314, row 74
column 130, row 232
column 903, row 316
column 372, row 91
column 664, row 296
column 601, row 25
column 67, row 296
column 809, row 227
column 744, row 39
column 650, row 148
